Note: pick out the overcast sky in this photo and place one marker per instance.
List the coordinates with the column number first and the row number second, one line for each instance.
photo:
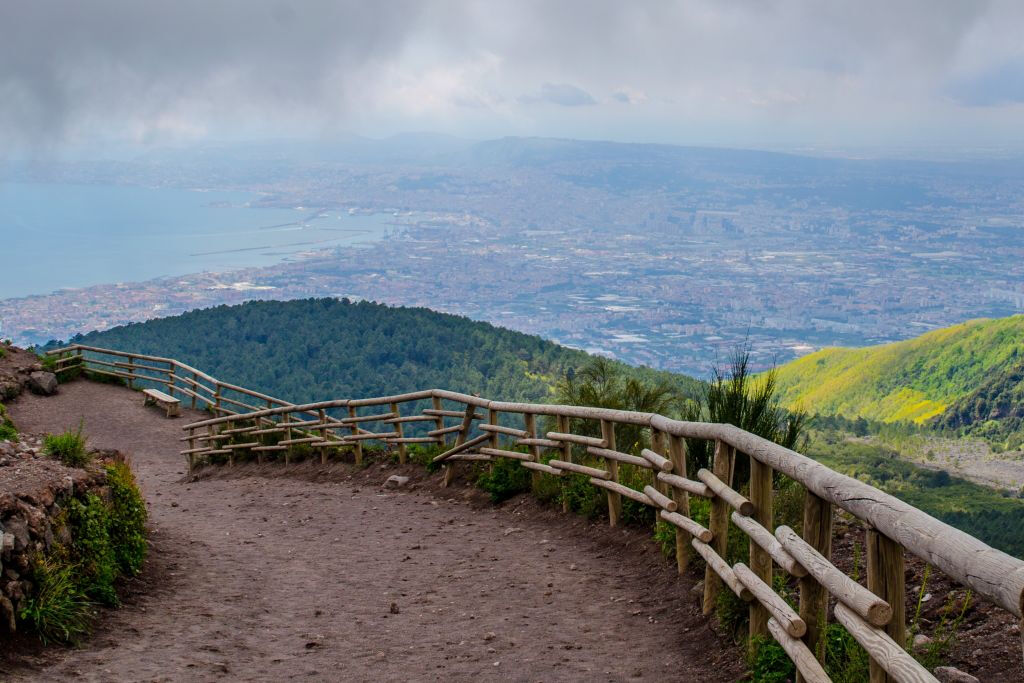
column 758, row 73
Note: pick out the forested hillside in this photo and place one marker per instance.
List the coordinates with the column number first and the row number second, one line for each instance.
column 315, row 349
column 993, row 516
column 918, row 379
column 994, row 411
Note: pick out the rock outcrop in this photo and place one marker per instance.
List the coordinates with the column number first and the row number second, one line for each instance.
column 42, row 383
column 33, row 491
column 20, row 370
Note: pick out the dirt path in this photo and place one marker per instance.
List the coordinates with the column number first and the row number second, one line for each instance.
column 258, row 578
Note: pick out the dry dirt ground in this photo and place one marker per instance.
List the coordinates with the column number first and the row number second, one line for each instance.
column 324, row 575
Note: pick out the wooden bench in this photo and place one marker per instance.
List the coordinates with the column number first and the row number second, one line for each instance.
column 161, row 399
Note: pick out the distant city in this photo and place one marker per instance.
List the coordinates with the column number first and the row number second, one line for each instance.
column 663, row 256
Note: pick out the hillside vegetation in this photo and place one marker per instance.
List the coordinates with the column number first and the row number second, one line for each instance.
column 914, row 380
column 993, row 516
column 315, row 349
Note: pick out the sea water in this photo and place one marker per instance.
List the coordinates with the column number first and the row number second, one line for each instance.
column 55, row 236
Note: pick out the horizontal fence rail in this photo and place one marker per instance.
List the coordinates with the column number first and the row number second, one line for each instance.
column 481, row 432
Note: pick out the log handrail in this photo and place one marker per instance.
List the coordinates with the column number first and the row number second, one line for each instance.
column 991, row 573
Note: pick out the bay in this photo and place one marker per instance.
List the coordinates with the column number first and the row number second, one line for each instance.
column 56, row 236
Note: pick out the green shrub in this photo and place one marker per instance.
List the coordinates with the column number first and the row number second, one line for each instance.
column 49, row 363
column 505, row 479
column 103, row 378
column 665, row 537
column 547, row 489
column 424, row 455
column 583, row 497
column 769, row 663
column 633, row 512
column 845, row 660
column 7, row 430
column 108, row 540
column 68, row 447
column 789, row 504
column 58, row 609
column 733, row 613
column 92, row 551
column 127, row 526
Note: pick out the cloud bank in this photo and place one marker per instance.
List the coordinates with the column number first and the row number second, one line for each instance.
column 148, row 72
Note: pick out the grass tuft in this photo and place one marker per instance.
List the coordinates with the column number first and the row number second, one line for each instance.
column 58, row 609
column 8, row 432
column 68, row 447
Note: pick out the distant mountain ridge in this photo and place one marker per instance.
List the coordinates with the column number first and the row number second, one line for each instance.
column 955, row 377
column 317, row 349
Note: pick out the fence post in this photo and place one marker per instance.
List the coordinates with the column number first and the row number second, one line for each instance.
column 400, row 432
column 614, row 499
column 442, row 439
column 760, row 561
column 817, row 532
column 885, row 579
column 658, row 446
column 495, row 440
column 287, row 437
column 719, row 522
column 463, row 434
column 131, row 371
column 563, row 426
column 677, row 453
column 211, row 431
column 191, row 447
column 323, row 436
column 217, row 410
column 355, row 430
column 530, row 421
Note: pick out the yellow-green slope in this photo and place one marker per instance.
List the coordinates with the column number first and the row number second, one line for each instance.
column 914, row 379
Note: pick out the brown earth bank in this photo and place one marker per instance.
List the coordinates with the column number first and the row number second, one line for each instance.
column 323, row 574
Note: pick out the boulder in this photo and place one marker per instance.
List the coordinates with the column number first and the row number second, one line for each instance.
column 950, row 674
column 42, row 383
column 396, row 481
column 17, row 528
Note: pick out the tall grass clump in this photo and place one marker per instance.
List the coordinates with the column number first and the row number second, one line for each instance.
column 68, row 447
column 736, row 396
column 8, row 432
column 58, row 609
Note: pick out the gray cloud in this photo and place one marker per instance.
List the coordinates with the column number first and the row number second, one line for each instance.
column 770, row 70
column 69, row 64
column 998, row 86
column 562, row 94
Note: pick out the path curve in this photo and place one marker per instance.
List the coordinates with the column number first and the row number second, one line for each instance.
column 260, row 578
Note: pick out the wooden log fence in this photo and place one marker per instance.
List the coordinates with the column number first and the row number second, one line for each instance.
column 873, row 614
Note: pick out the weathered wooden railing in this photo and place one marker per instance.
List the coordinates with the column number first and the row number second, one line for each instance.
column 138, row 370
column 874, row 615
